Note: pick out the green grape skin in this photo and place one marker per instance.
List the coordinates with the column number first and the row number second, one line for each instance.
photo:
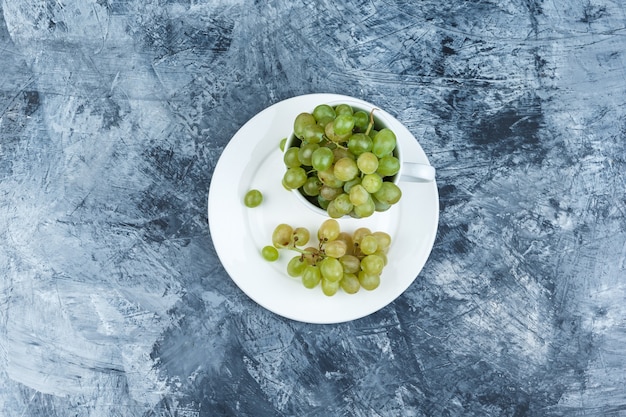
column 359, row 234
column 344, row 109
column 281, row 236
column 340, row 152
column 300, row 236
column 324, row 113
column 359, row 143
column 269, row 253
column 389, row 193
column 332, row 211
column 367, row 163
column 347, row 237
column 294, row 178
column 364, row 210
column 327, row 177
column 305, row 153
column 350, row 283
column 371, row 182
column 283, row 141
column 345, row 169
column 311, row 276
column 343, row 204
column 361, row 121
column 253, row 198
column 312, row 186
column 384, row 142
column 358, row 195
column 330, row 288
column 313, row 133
column 330, row 193
column 388, row 166
column 368, row 282
column 335, row 248
column 290, row 157
column 383, row 239
column 379, row 205
column 322, row 202
column 372, row 264
column 349, row 184
column 302, row 120
column 328, row 230
column 369, row 244
column 382, row 256
column 343, row 124
column 331, row 269
column 322, row 159
column 350, row 263
column 296, row 266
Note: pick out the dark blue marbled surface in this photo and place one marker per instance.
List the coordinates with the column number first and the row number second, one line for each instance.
column 114, row 114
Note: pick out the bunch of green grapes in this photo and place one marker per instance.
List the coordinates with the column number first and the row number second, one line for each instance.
column 341, row 260
column 342, row 162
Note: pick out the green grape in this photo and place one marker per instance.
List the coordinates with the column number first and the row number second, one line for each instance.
column 383, row 239
column 331, row 269
column 364, row 210
column 343, row 124
column 344, row 109
column 322, row 159
column 379, row 205
column 328, row 230
column 322, row 202
column 296, row 266
column 328, row 178
column 302, row 120
column 382, row 256
column 313, row 133
column 330, row 288
column 312, row 186
column 306, row 152
column 368, row 281
column 294, row 178
column 282, row 235
column 372, row 264
column 300, row 236
column 343, row 204
column 361, row 121
column 350, row 283
column 389, row 193
column 345, row 169
column 269, row 253
column 368, row 245
column 311, row 255
column 282, row 144
column 335, row 248
column 359, row 143
column 329, row 193
column 347, row 237
column 359, row 234
column 383, row 143
column 323, row 113
column 340, row 152
column 311, row 276
column 367, row 162
column 372, row 183
column 358, row 195
column 290, row 157
column 388, row 166
column 253, row 198
column 332, row 211
column 349, row 184
column 351, row 264
column 329, row 131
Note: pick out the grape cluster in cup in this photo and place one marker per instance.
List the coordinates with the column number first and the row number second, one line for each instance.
column 349, row 261
column 342, row 162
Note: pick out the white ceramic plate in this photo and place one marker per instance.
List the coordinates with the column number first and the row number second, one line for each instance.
column 252, row 159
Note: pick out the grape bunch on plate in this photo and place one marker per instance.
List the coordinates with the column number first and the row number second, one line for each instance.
column 342, row 162
column 340, row 260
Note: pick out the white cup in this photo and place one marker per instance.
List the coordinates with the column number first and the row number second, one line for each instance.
column 409, row 171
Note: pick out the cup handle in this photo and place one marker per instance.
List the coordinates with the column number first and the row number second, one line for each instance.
column 415, row 172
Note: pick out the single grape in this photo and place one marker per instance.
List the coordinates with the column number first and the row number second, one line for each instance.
column 324, row 111
column 344, row 109
column 290, row 157
column 382, row 256
column 361, row 121
column 294, row 178
column 328, row 230
column 371, row 183
column 383, row 143
column 322, row 202
column 253, row 198
column 313, row 133
column 302, row 120
column 349, row 184
column 312, row 186
column 383, row 239
column 347, row 237
column 331, row 269
column 282, row 235
column 300, row 236
column 330, row 288
column 343, row 204
column 369, row 244
column 351, row 264
column 379, row 205
column 343, row 124
column 311, row 276
column 345, row 169
column 367, row 163
column 335, row 248
column 311, row 255
column 359, row 234
column 296, row 266
column 282, row 144
column 358, row 195
column 340, row 152
column 372, row 264
column 322, row 159
column 350, row 283
column 364, row 210
column 269, row 253
column 388, row 166
column 332, row 211
column 328, row 178
column 389, row 193
column 359, row 143
column 329, row 193
column 368, row 281
column 329, row 131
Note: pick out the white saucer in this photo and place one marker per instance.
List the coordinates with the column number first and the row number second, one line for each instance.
column 253, row 159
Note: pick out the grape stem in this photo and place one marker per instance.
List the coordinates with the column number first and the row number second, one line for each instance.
column 371, row 123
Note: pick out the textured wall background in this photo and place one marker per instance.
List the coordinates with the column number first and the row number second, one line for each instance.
column 113, row 115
